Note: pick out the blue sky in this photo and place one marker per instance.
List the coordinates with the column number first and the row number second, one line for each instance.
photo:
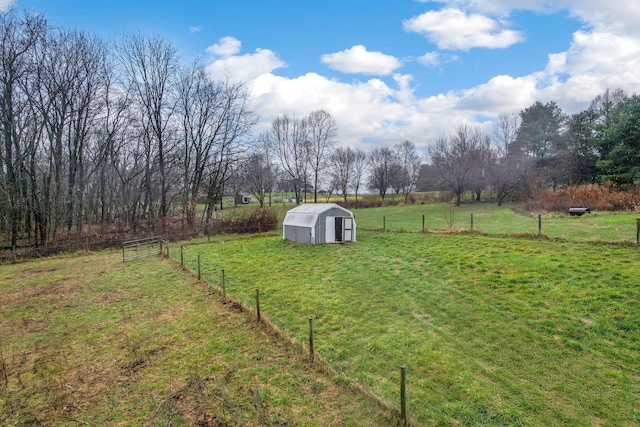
column 388, row 70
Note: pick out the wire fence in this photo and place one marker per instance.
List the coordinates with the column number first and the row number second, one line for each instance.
column 396, row 412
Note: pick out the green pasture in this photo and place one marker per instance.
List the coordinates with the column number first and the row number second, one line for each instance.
column 492, row 330
column 493, row 219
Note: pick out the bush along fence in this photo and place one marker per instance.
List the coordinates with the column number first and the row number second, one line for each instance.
column 396, row 413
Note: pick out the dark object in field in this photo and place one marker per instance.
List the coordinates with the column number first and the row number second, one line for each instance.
column 579, row 211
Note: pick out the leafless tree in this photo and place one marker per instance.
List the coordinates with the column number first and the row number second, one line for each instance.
column 360, row 169
column 321, row 133
column 289, row 137
column 233, row 122
column 342, row 169
column 150, row 67
column 454, row 158
column 18, row 38
column 406, row 168
column 259, row 171
column 508, row 166
column 381, row 162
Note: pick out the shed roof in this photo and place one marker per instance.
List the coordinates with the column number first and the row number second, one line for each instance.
column 307, row 214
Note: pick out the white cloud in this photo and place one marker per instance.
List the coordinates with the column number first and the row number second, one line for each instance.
column 195, row 29
column 5, row 5
column 358, row 60
column 246, row 67
column 605, row 53
column 500, row 94
column 226, row 46
column 429, row 59
column 455, row 29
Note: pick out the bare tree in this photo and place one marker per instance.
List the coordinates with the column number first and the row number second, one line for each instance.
column 259, row 172
column 321, row 133
column 454, row 158
column 407, row 165
column 381, row 161
column 18, row 38
column 289, row 137
column 150, row 66
column 360, row 168
column 508, row 166
column 341, row 170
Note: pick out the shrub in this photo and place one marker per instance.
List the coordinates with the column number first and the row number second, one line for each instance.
column 593, row 196
column 255, row 220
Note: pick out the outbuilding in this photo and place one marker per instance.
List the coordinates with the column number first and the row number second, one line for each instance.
column 319, row 223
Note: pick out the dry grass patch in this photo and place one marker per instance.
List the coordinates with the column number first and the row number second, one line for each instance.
column 92, row 341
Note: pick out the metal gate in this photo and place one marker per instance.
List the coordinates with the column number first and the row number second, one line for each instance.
column 141, row 248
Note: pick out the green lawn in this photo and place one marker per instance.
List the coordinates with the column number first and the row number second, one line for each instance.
column 493, row 219
column 492, row 330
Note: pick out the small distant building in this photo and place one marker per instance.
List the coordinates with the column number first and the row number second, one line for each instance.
column 243, row 199
column 316, row 223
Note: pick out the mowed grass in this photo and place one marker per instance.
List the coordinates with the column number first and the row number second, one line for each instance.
column 88, row 340
column 492, row 219
column 492, row 330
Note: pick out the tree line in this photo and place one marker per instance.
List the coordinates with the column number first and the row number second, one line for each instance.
column 540, row 147
column 97, row 134
column 103, row 133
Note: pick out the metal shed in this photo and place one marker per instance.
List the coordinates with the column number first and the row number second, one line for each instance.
column 319, row 223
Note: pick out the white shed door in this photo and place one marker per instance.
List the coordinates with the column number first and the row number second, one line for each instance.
column 347, row 233
column 331, row 229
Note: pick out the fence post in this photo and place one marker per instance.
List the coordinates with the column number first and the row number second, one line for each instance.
column 403, row 398
column 423, row 223
column 384, row 223
column 311, row 353
column 258, row 303
column 471, row 222
column 181, row 256
column 224, row 292
column 539, row 225
column 199, row 276
column 122, row 253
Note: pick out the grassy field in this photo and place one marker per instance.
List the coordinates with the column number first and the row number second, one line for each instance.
column 493, row 219
column 88, row 340
column 492, row 330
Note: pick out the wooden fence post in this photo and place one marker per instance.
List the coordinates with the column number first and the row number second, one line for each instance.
column 423, row 223
column 637, row 230
column 539, row 225
column 199, row 276
column 258, row 303
column 403, row 397
column 224, row 292
column 384, row 222
column 471, row 222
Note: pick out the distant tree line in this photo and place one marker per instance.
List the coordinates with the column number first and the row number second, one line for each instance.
column 541, row 147
column 95, row 135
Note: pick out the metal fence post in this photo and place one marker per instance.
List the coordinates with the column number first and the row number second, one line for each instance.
column 311, row 352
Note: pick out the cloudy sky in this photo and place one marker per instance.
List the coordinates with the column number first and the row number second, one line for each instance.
column 388, row 70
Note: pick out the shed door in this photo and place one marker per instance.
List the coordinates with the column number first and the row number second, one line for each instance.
column 348, row 229
column 330, row 228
